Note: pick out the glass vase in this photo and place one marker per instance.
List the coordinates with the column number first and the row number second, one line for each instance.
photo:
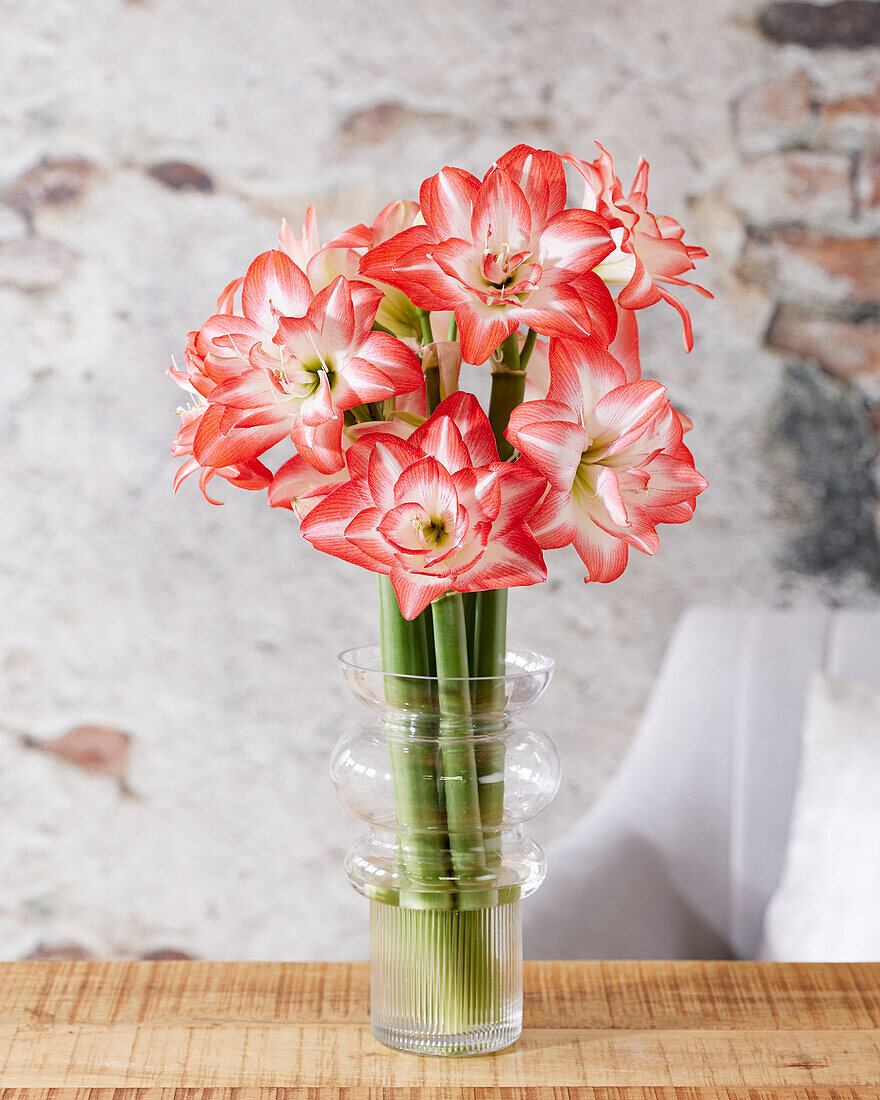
column 446, row 791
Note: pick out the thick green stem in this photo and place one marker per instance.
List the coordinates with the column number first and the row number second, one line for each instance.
column 452, row 328
column 490, row 619
column 508, row 387
column 490, row 647
column 460, row 777
column 412, row 751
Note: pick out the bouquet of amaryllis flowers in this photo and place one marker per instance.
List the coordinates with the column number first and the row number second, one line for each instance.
column 349, row 355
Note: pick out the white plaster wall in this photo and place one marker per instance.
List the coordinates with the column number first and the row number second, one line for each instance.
column 209, row 634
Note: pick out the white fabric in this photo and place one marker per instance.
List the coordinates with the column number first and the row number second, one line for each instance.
column 680, row 855
column 827, row 906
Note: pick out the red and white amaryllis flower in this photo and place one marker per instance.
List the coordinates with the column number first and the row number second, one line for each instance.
column 502, row 253
column 650, row 251
column 437, row 512
column 293, row 364
column 613, row 455
column 245, row 475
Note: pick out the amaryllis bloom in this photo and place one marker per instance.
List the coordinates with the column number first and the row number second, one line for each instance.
column 650, row 250
column 502, row 253
column 297, row 382
column 437, row 512
column 613, row 455
column 245, row 475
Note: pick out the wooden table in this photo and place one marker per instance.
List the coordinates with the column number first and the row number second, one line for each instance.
column 609, row 1030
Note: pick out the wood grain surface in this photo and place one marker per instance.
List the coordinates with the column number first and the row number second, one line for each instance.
column 285, row 1031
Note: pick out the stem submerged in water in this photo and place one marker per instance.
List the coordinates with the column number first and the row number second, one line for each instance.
column 412, row 751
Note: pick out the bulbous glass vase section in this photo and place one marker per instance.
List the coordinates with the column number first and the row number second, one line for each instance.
column 446, row 774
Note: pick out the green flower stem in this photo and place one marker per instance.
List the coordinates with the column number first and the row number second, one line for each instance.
column 425, row 326
column 412, row 751
column 508, row 387
column 490, row 618
column 527, row 348
column 490, row 648
column 452, row 328
column 457, row 750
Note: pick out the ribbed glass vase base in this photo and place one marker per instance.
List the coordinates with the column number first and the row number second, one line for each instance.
column 446, row 981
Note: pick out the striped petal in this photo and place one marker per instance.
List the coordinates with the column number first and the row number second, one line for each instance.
column 547, row 434
column 447, row 202
column 510, row 560
column 324, row 527
column 415, row 591
column 540, row 176
column 573, row 243
column 501, row 214
column 274, row 286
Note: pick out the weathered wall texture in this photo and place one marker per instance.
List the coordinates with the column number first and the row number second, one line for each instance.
column 148, row 149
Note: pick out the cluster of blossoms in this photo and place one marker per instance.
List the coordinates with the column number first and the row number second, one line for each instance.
column 351, row 353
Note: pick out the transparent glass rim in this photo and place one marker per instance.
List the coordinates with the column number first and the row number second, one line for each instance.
column 522, row 664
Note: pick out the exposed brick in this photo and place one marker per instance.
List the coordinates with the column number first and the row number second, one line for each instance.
column 776, row 113
column 383, row 121
column 843, row 348
column 826, row 422
column 796, row 265
column 51, row 183
column 793, row 187
column 92, row 748
column 62, row 952
column 849, row 23
column 34, row 264
column 181, row 176
column 166, row 954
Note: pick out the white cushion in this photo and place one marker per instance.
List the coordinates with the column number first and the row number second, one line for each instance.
column 827, row 905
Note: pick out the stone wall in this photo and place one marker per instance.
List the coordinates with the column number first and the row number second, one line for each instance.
column 168, row 695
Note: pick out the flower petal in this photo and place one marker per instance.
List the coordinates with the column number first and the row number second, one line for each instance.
column 427, row 483
column 604, row 555
column 214, row 446
column 581, row 373
column 510, row 560
column 467, row 414
column 625, row 346
column 548, row 434
column 274, row 286
column 573, row 243
column 299, row 486
column 440, row 436
column 540, row 176
column 388, row 458
column 552, row 520
column 415, row 590
column 501, row 214
column 397, row 361
column 332, row 314
column 482, row 328
column 325, row 525
column 447, row 201
column 320, row 445
column 522, row 486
